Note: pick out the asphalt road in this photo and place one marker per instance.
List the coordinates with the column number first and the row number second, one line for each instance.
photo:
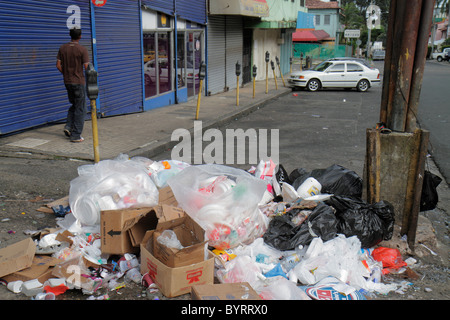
column 434, row 112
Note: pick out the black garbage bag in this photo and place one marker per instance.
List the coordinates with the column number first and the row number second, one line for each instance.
column 429, row 197
column 283, row 234
column 335, row 180
column 371, row 223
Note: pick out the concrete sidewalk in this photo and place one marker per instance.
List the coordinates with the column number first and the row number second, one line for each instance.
column 141, row 134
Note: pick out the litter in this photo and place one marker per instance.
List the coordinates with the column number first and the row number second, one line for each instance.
column 263, row 234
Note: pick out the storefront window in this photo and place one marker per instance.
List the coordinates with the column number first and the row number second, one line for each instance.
column 181, row 72
column 157, row 68
column 164, row 62
column 194, row 58
column 150, row 79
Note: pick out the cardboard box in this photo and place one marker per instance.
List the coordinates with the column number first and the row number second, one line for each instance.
column 191, row 236
column 122, row 231
column 116, row 225
column 17, row 256
column 174, row 281
column 41, row 269
column 224, row 291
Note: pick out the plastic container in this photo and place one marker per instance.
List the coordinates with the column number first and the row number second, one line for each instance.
column 15, row 286
column 310, row 187
column 32, row 287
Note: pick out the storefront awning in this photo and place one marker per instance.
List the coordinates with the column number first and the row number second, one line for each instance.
column 251, row 8
column 310, row 36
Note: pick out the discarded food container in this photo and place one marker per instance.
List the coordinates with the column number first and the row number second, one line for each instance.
column 45, row 296
column 15, row 286
column 32, row 287
column 310, row 187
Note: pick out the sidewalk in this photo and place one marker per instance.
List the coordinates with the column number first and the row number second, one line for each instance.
column 141, row 134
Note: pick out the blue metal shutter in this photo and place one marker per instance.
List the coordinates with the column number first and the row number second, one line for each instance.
column 165, row 6
column 32, row 89
column 119, row 59
column 192, row 10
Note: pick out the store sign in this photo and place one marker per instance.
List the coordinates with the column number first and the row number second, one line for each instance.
column 349, row 33
column 99, row 3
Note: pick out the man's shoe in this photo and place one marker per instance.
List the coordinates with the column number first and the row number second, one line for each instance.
column 78, row 140
column 67, row 133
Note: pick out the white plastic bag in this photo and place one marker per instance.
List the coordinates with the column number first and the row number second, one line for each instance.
column 240, row 269
column 110, row 185
column 169, row 239
column 279, row 288
column 224, row 201
column 339, row 258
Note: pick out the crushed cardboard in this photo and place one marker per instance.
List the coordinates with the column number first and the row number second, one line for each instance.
column 224, row 291
column 17, row 256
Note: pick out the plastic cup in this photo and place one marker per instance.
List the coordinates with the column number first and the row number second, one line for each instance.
column 15, row 286
column 45, row 296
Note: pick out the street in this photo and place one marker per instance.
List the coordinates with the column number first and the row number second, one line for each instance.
column 434, row 112
column 316, row 130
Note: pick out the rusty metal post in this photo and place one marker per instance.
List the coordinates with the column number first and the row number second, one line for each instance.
column 406, row 52
column 419, row 64
column 388, row 63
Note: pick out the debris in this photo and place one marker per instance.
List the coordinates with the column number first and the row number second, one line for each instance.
column 165, row 225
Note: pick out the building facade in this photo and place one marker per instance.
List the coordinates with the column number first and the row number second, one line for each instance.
column 147, row 54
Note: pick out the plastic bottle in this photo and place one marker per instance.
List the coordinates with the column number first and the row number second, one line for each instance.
column 291, row 260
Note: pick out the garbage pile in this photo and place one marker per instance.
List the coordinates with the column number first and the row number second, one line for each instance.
column 208, row 230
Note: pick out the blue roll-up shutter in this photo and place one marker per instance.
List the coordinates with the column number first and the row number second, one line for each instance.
column 119, row 59
column 192, row 10
column 166, row 6
column 32, row 89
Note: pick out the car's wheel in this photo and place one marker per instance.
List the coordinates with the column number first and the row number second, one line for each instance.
column 147, row 80
column 313, row 85
column 363, row 85
column 439, row 59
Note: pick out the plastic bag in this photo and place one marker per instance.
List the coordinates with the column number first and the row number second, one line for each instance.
column 161, row 171
column 224, row 201
column 110, row 185
column 284, row 234
column 279, row 288
column 339, row 258
column 240, row 269
column 371, row 223
column 429, row 197
column 170, row 240
column 391, row 258
column 335, row 180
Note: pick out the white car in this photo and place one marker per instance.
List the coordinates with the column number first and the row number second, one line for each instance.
column 337, row 73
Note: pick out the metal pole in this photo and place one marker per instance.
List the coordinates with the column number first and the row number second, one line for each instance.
column 419, row 64
column 274, row 75
column 388, row 63
column 95, row 130
column 198, row 99
column 279, row 68
column 407, row 47
column 237, row 92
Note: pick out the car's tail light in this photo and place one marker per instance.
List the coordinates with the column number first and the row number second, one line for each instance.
column 378, row 76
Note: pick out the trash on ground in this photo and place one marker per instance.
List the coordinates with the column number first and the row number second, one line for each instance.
column 211, row 231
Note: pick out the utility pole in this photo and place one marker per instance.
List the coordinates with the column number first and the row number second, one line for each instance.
column 396, row 160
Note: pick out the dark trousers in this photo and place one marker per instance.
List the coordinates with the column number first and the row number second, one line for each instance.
column 77, row 111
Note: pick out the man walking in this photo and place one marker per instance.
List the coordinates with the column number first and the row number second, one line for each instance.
column 71, row 59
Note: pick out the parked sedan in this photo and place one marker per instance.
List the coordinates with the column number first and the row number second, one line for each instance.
column 336, row 74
